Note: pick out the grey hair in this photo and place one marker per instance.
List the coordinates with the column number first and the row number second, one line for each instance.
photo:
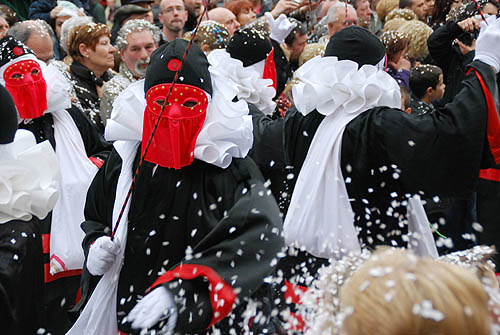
column 136, row 26
column 67, row 26
column 23, row 30
column 332, row 11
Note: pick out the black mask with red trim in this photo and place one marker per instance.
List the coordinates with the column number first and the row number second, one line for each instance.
column 185, row 111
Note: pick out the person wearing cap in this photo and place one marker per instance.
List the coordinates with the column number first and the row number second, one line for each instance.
column 43, row 104
column 30, row 172
column 362, row 162
column 126, row 13
column 137, row 39
column 200, row 231
column 144, row 4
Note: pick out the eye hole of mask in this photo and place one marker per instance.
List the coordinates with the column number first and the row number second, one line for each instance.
column 35, row 72
column 160, row 102
column 16, row 76
column 190, row 103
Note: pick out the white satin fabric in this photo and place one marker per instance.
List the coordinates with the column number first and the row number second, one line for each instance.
column 320, row 218
column 77, row 172
column 244, row 82
column 29, row 175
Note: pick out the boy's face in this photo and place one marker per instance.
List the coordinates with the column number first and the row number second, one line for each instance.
column 438, row 92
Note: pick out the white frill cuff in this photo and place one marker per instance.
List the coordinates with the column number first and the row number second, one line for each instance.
column 331, row 86
column 28, row 179
column 232, row 79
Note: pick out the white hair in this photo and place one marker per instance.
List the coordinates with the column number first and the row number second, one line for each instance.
column 332, row 11
column 136, row 26
column 67, row 26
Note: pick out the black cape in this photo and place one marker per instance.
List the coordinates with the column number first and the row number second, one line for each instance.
column 224, row 219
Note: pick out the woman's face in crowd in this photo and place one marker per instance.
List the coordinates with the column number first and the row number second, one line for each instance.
column 245, row 16
column 102, row 57
column 4, row 26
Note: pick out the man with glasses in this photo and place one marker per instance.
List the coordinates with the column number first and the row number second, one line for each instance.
column 173, row 16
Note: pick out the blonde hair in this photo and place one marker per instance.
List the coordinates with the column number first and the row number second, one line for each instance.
column 394, row 24
column 384, row 7
column 396, row 293
column 405, row 13
column 418, row 32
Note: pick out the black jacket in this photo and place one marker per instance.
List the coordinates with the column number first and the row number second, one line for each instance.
column 449, row 58
column 85, row 83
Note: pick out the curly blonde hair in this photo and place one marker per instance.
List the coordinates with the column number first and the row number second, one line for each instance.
column 396, row 292
column 385, row 6
column 418, row 33
column 405, row 13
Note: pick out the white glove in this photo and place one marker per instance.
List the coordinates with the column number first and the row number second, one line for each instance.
column 489, row 36
column 280, row 28
column 101, row 256
column 154, row 307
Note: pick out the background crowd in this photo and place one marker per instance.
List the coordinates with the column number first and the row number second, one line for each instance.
column 103, row 47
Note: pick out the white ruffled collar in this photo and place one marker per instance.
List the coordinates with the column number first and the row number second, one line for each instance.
column 244, row 82
column 332, row 86
column 29, row 174
column 226, row 133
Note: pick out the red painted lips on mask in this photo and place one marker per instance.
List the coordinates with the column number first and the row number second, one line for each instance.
column 175, row 138
column 26, row 85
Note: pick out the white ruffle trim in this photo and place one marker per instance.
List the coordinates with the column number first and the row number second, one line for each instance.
column 233, row 79
column 332, row 86
column 226, row 133
column 29, row 174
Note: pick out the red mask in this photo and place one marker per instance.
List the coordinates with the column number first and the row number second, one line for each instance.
column 175, row 138
column 26, row 85
column 270, row 68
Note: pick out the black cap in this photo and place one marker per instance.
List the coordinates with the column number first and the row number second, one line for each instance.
column 166, row 60
column 356, row 44
column 249, row 45
column 8, row 117
column 11, row 48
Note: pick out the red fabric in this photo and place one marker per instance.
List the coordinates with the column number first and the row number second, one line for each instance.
column 50, row 278
column 175, row 138
column 493, row 127
column 97, row 161
column 46, row 243
column 293, row 292
column 26, row 85
column 270, row 68
column 490, row 174
column 296, row 323
column 222, row 296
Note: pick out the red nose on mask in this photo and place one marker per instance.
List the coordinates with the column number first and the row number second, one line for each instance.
column 179, row 126
column 26, row 85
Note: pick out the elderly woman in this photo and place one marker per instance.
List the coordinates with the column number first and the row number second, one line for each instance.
column 92, row 53
column 243, row 10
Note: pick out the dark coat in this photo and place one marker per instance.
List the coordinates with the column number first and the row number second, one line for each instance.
column 40, row 9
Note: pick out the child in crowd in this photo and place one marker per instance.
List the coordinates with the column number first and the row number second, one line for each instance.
column 426, row 83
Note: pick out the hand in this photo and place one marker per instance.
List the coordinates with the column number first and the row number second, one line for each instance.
column 154, row 307
column 101, row 256
column 280, row 28
column 464, row 48
column 402, row 64
column 55, row 11
column 469, row 24
column 487, row 43
column 285, row 7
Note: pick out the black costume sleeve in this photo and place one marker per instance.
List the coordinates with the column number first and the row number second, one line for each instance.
column 440, row 43
column 439, row 153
